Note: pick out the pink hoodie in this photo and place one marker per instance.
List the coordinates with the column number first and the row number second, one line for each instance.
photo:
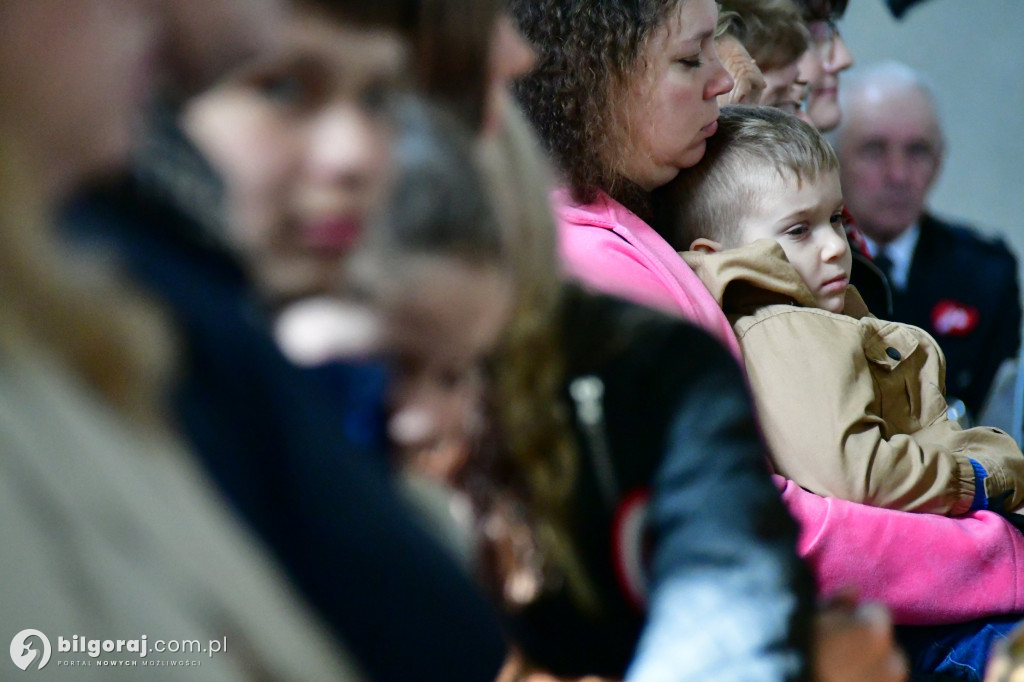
column 927, row 569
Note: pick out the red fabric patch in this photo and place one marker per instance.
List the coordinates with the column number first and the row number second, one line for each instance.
column 630, row 548
column 952, row 318
column 854, row 235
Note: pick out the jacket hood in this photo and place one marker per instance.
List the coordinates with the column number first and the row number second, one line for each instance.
column 755, row 275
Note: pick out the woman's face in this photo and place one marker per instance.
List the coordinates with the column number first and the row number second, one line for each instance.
column 780, row 89
column 301, row 140
column 75, row 76
column 820, row 66
column 670, row 106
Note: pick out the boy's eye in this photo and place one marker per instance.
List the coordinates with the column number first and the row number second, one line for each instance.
column 838, row 220
column 796, row 231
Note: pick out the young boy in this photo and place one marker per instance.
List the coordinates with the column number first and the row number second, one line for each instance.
column 851, row 406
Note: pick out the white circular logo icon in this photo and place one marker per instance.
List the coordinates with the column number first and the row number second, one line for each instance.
column 23, row 653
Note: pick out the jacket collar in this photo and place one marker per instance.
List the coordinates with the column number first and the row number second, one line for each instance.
column 603, row 211
column 752, row 276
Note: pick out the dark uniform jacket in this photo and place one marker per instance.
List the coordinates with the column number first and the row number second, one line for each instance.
column 962, row 289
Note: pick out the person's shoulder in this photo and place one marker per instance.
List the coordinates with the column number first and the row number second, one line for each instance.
column 598, row 328
column 962, row 240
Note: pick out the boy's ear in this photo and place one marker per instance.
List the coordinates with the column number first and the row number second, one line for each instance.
column 702, row 245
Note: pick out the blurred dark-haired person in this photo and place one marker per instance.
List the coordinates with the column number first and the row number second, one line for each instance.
column 274, row 438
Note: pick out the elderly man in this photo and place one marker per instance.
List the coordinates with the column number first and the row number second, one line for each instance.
column 957, row 284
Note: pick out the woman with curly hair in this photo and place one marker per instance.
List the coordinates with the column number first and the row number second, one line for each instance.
column 624, row 96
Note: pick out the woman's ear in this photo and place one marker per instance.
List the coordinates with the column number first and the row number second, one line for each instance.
column 702, row 245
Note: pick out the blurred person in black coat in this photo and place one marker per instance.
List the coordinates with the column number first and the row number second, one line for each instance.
column 276, row 440
column 946, row 278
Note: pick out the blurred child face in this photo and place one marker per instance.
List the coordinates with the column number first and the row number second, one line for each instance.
column 301, row 140
column 440, row 327
column 74, row 77
column 806, row 219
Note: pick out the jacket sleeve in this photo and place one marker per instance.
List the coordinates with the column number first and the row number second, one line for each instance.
column 904, row 560
column 819, row 406
column 729, row 600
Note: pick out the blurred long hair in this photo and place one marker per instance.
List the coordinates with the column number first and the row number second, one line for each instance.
column 71, row 311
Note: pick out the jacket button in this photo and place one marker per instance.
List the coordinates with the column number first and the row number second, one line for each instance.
column 893, row 353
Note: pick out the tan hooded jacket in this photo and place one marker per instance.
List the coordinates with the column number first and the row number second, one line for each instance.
column 852, row 406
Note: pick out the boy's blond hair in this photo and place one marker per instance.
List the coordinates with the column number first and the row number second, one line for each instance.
column 711, row 199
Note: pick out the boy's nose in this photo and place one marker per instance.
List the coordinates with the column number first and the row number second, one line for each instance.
column 835, row 246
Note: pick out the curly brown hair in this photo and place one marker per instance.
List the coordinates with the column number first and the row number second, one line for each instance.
column 588, row 51
column 71, row 308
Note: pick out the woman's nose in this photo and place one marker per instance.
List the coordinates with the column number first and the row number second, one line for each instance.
column 720, row 81
column 346, row 147
column 841, row 58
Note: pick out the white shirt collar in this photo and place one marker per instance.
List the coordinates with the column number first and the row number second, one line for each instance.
column 900, row 252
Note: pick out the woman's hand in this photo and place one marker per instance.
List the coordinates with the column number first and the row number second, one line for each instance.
column 855, row 642
column 747, row 78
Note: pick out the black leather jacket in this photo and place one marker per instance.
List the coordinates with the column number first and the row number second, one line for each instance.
column 665, row 429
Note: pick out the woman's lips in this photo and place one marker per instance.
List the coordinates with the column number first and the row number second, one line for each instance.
column 335, row 235
column 710, row 129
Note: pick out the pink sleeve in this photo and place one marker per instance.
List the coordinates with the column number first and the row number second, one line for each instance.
column 927, row 569
column 605, row 262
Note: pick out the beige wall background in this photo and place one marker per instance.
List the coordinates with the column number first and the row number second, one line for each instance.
column 973, row 52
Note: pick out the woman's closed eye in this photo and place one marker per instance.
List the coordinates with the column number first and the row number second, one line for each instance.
column 694, row 61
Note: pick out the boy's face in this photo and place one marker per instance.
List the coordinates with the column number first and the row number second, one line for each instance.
column 806, row 219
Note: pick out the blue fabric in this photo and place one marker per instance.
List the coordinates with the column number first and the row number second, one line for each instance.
column 953, row 652
column 980, row 500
